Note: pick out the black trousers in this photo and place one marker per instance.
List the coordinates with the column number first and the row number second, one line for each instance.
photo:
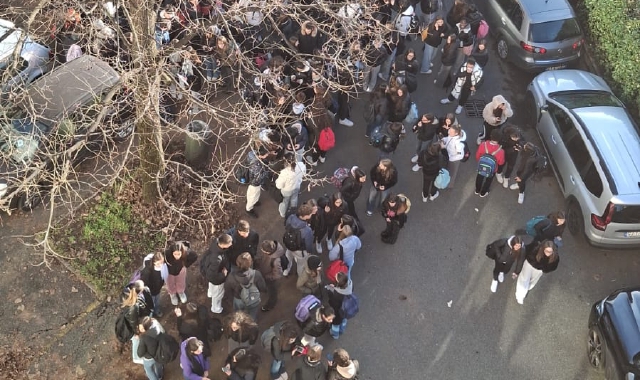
column 272, row 294
column 465, row 92
column 501, row 267
column 343, row 105
column 483, row 184
column 428, row 189
column 509, row 162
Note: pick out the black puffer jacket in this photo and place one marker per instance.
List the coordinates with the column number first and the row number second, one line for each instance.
column 315, row 325
column 430, row 163
column 377, row 178
column 351, row 188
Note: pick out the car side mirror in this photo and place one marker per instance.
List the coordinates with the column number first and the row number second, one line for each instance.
column 543, row 108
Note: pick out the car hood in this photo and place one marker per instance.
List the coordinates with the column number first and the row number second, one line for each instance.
column 569, row 80
column 623, row 308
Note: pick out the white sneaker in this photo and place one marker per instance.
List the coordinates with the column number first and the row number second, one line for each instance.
column 285, row 272
column 494, row 286
column 174, row 299
column 414, row 159
column 425, row 199
column 434, row 196
column 499, row 178
column 318, row 248
column 514, row 186
column 501, row 277
column 183, row 297
column 322, row 159
column 346, row 122
column 284, row 376
column 458, row 110
column 520, row 300
column 435, row 81
column 505, row 184
column 445, row 101
column 520, row 198
column 479, row 140
column 429, row 71
column 329, row 244
column 416, row 167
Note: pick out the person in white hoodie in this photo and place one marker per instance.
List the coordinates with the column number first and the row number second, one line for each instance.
column 495, row 114
column 289, row 181
column 454, row 145
column 342, row 367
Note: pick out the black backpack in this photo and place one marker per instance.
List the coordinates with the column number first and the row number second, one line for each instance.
column 168, row 349
column 292, row 238
column 124, row 330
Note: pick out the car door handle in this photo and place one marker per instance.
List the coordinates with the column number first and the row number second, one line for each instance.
column 504, row 22
column 553, row 139
column 572, row 180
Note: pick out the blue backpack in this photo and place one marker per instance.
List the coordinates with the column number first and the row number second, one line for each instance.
column 442, row 180
column 350, row 306
column 531, row 224
column 488, row 163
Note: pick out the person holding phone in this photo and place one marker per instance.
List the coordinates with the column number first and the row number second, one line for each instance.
column 242, row 364
column 311, row 366
column 494, row 114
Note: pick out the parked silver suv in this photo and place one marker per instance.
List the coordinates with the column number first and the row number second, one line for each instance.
column 594, row 148
column 535, row 34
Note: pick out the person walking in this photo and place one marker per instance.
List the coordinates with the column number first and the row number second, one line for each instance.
column 241, row 330
column 495, row 114
column 289, row 181
column 468, row 79
column 432, row 37
column 489, row 153
column 430, row 163
column 179, row 256
column 351, row 188
column 531, row 160
column 383, row 177
column 453, row 143
column 215, row 267
column 269, row 263
column 195, row 366
column 246, row 284
column 551, row 228
column 150, row 329
column 335, row 293
column 540, row 258
column 257, row 174
column 506, row 252
column 425, row 130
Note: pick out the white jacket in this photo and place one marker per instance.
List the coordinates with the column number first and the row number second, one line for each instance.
column 290, row 180
column 454, row 146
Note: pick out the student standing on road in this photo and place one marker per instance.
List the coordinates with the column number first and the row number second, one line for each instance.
column 333, row 212
column 317, row 222
column 551, row 228
column 467, row 80
column 447, row 59
column 298, row 221
column 289, row 181
column 281, row 339
column 346, row 246
column 453, row 144
column 342, row 367
column 383, row 177
column 136, row 304
column 154, row 274
column 539, row 259
column 215, row 267
column 495, row 114
column 432, row 37
column 244, row 239
column 244, row 278
column 530, row 160
column 392, row 133
column 336, row 293
column 310, row 280
column 311, row 366
column 194, row 323
column 425, row 130
column 241, row 330
column 492, row 147
column 507, row 251
column 257, row 175
column 149, row 330
column 378, row 109
column 269, row 263
column 179, row 257
column 351, row 188
column 394, row 212
column 512, row 143
column 430, row 163
column 318, row 322
column 242, row 364
column 195, row 366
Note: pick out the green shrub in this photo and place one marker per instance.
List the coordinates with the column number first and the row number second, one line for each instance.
column 614, row 26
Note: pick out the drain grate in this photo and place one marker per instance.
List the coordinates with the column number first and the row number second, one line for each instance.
column 474, row 108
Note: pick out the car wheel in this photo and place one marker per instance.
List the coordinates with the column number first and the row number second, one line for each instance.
column 595, row 349
column 125, row 130
column 503, row 48
column 29, row 201
column 575, row 221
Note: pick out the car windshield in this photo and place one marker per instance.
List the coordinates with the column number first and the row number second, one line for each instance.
column 20, row 139
column 553, row 31
column 583, row 99
column 627, row 214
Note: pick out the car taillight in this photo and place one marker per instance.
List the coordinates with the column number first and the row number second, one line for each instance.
column 576, row 45
column 601, row 222
column 532, row 49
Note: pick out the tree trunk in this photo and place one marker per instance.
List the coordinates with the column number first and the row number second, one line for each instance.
column 147, row 96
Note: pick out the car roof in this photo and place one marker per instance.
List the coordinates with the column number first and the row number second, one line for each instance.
column 10, row 37
column 616, row 137
column 623, row 309
column 570, row 80
column 533, row 7
column 70, row 86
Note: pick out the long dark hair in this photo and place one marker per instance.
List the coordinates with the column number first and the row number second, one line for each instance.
column 516, row 240
column 544, row 245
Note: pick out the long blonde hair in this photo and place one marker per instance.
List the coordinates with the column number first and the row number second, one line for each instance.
column 130, row 295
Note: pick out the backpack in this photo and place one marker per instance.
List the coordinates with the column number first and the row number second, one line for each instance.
column 350, row 306
column 467, row 152
column 412, row 116
column 488, row 163
column 250, row 295
column 483, row 29
column 432, row 6
column 336, row 267
column 407, row 202
column 442, row 179
column 124, row 330
column 389, row 142
column 168, row 349
column 304, row 307
column 292, row 238
column 267, row 337
column 377, row 135
column 327, row 139
column 339, row 175
column 541, row 166
column 242, row 174
column 530, row 227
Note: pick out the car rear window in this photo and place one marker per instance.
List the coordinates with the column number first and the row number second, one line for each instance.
column 552, row 31
column 628, row 214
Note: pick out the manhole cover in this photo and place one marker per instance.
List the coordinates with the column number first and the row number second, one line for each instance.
column 474, row 108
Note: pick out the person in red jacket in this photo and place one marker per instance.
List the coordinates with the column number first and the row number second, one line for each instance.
column 492, row 147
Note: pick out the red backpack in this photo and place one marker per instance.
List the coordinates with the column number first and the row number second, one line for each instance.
column 327, row 139
column 337, row 266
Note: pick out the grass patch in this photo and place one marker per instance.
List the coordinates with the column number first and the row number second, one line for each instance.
column 108, row 242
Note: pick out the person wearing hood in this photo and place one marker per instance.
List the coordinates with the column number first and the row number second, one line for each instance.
column 336, row 293
column 195, row 366
column 242, row 364
column 453, row 144
column 298, row 221
column 311, row 366
column 342, row 367
column 215, row 268
column 243, row 278
column 506, row 252
column 495, row 114
column 481, row 54
column 311, row 277
column 289, row 181
column 149, row 330
column 269, row 263
column 468, row 79
column 257, row 174
column 351, row 188
column 346, row 247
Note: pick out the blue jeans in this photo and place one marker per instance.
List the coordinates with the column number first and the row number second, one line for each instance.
column 211, row 67
column 238, row 305
column 422, row 145
column 375, row 198
column 277, row 368
column 385, row 68
column 337, row 330
column 152, row 369
column 156, row 304
column 427, row 57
